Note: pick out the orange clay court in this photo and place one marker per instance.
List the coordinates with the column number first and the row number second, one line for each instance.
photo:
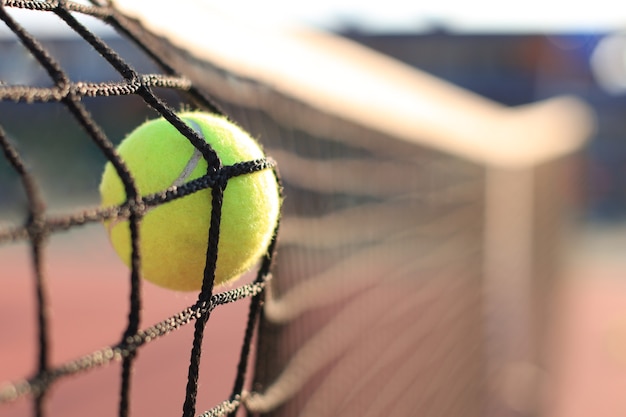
column 88, row 293
column 88, row 298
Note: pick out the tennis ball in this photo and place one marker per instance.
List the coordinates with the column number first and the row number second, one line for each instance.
column 174, row 236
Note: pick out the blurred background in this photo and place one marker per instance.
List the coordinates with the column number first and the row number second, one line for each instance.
column 513, row 54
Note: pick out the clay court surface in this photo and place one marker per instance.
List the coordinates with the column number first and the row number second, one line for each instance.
column 88, row 294
column 88, row 298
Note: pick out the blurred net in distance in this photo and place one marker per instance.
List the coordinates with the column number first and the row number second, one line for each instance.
column 403, row 285
column 39, row 225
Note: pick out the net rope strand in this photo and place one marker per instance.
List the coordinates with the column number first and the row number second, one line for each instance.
column 104, row 356
column 191, row 392
column 38, row 226
column 87, row 89
column 254, row 314
column 122, row 212
column 37, row 234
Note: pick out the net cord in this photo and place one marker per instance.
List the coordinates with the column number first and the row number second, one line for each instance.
column 39, row 226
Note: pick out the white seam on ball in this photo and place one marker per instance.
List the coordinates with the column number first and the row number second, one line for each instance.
column 195, row 157
column 182, row 177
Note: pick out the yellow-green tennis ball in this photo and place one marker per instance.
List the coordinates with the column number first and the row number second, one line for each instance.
column 174, row 236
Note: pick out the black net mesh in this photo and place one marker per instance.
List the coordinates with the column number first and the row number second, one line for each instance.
column 39, row 225
column 398, row 289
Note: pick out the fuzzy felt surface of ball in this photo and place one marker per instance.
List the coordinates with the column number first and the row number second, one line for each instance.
column 173, row 236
